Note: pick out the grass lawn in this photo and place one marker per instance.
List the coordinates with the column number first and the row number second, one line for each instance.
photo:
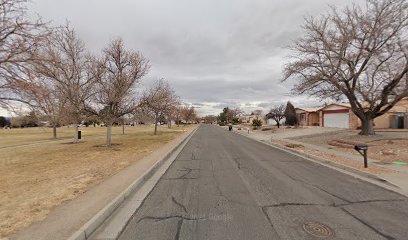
column 38, row 173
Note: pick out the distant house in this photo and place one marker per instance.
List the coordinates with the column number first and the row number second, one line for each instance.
column 249, row 118
column 307, row 116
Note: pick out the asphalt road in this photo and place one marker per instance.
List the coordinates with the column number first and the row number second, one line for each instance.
column 226, row 186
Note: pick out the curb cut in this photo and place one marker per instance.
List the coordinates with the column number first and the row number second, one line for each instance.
column 92, row 225
column 367, row 177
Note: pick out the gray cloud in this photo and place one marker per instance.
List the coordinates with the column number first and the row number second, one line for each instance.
column 216, row 53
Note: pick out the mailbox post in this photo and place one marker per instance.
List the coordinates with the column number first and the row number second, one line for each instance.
column 362, row 149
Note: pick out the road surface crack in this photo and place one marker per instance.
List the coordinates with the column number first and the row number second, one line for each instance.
column 285, row 204
column 184, row 176
column 159, row 219
column 296, row 204
column 370, row 201
column 265, row 212
column 189, row 170
column 368, row 225
column 179, row 204
column 179, row 225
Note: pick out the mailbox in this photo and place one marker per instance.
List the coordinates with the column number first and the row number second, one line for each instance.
column 362, row 149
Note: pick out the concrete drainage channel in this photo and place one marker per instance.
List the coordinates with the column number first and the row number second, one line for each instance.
column 112, row 219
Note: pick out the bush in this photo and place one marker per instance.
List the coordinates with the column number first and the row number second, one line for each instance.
column 257, row 123
column 235, row 121
column 4, row 122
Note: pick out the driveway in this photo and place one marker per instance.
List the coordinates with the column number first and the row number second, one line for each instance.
column 284, row 133
column 226, row 186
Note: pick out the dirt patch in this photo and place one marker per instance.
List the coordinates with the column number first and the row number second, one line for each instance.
column 385, row 146
column 388, row 151
column 350, row 136
column 333, row 158
column 37, row 177
column 291, row 145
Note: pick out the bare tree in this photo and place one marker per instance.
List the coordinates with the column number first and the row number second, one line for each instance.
column 44, row 97
column 63, row 61
column 188, row 114
column 210, row 119
column 159, row 99
column 257, row 113
column 20, row 36
column 360, row 53
column 233, row 114
column 173, row 115
column 177, row 114
column 277, row 113
column 116, row 76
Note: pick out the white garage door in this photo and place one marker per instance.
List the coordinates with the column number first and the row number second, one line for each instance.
column 336, row 120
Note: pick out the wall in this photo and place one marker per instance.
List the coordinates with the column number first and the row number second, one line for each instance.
column 354, row 121
column 383, row 121
column 313, row 119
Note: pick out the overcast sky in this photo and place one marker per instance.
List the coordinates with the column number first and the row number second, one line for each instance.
column 215, row 53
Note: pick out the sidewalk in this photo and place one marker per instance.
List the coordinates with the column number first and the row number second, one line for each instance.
column 396, row 175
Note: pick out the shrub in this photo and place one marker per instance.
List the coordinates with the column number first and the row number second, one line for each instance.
column 290, row 115
column 257, row 123
column 235, row 121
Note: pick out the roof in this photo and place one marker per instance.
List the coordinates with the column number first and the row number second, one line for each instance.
column 346, row 105
column 308, row 109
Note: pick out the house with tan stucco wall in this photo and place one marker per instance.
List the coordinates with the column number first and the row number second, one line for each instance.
column 308, row 116
column 339, row 115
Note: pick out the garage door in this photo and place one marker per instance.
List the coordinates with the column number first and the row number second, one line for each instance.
column 336, row 120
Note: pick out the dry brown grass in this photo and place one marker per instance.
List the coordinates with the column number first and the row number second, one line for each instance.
column 41, row 175
column 387, row 151
column 336, row 159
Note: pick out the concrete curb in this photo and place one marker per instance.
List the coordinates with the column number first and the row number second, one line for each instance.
column 92, row 225
column 371, row 178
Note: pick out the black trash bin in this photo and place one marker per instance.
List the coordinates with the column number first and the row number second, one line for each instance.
column 79, row 134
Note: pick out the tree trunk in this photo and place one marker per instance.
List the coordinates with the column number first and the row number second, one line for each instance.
column 155, row 127
column 277, row 123
column 109, row 135
column 367, row 127
column 76, row 133
column 54, row 130
column 123, row 128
